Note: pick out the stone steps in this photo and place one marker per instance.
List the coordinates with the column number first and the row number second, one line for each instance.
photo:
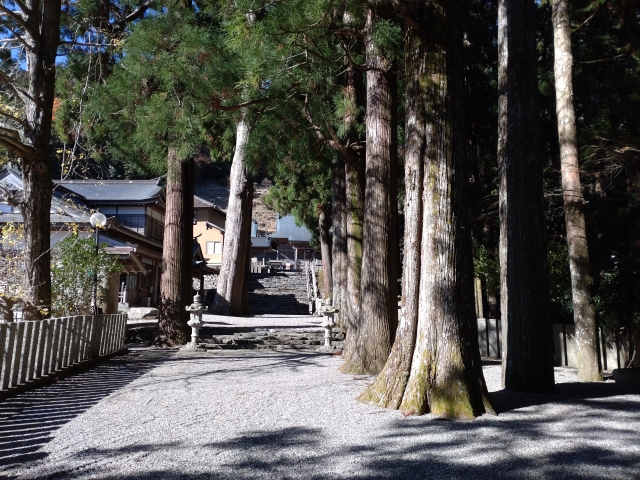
column 249, row 339
column 272, row 339
column 283, row 293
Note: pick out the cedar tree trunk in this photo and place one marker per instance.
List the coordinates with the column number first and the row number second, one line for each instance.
column 527, row 346
column 325, row 249
column 354, row 169
column 445, row 376
column 339, row 240
column 584, row 312
column 177, row 253
column 379, row 311
column 232, row 292
column 29, row 141
column 388, row 388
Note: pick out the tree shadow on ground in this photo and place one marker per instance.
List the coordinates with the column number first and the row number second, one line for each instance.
column 585, row 431
column 408, row 448
column 28, row 420
column 572, row 392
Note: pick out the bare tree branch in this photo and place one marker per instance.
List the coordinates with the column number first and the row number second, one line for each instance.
column 138, row 12
column 10, row 139
column 18, row 19
column 24, row 124
column 13, row 88
column 242, row 105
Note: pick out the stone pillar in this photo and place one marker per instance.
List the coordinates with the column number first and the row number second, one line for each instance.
column 111, row 286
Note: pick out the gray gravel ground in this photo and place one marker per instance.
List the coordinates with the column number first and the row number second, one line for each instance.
column 280, row 415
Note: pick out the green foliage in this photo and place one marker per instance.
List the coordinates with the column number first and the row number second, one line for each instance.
column 486, row 267
column 387, row 37
column 617, row 299
column 74, row 261
column 559, row 280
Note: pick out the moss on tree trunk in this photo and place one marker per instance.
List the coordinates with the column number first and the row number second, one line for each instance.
column 444, row 375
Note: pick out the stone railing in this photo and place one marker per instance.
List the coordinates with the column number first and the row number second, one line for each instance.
column 33, row 350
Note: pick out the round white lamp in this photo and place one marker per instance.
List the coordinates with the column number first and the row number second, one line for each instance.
column 98, row 220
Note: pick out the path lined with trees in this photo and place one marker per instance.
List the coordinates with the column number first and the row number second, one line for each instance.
column 483, row 104
column 292, row 415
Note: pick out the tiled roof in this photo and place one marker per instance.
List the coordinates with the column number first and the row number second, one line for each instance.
column 115, row 190
column 288, row 229
column 201, row 203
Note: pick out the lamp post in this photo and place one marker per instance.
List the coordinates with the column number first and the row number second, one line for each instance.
column 98, row 221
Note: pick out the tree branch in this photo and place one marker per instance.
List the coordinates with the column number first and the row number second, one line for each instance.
column 18, row 19
column 242, row 105
column 22, row 7
column 18, row 92
column 600, row 60
column 101, row 45
column 24, row 124
column 10, row 139
column 138, row 12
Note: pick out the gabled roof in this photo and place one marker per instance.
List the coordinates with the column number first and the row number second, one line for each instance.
column 115, row 191
column 202, row 203
column 288, row 229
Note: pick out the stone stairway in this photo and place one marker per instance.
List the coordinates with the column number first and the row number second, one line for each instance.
column 259, row 338
column 271, row 339
column 281, row 293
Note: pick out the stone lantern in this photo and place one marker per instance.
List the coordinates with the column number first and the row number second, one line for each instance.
column 195, row 310
column 328, row 322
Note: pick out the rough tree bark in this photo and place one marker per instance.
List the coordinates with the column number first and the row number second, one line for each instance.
column 584, row 312
column 339, row 240
column 177, row 253
column 231, row 298
column 445, row 375
column 325, row 249
column 388, row 388
column 527, row 347
column 354, row 163
column 38, row 24
column 379, row 313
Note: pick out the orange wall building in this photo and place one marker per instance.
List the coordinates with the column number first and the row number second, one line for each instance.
column 208, row 228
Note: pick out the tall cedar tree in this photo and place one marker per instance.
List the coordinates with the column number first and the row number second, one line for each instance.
column 177, row 252
column 435, row 365
column 369, row 341
column 325, row 53
column 159, row 107
column 231, row 294
column 33, row 30
column 584, row 312
column 527, row 353
column 27, row 134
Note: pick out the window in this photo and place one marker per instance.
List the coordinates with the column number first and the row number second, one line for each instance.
column 134, row 222
column 214, row 248
column 132, row 281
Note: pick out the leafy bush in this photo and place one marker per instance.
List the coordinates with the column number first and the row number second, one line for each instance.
column 73, row 263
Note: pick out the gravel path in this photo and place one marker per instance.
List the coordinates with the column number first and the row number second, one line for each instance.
column 279, row 415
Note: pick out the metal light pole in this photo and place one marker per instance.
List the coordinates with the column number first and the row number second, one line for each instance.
column 98, row 221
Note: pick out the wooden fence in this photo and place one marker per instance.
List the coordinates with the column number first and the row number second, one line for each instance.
column 614, row 351
column 32, row 350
